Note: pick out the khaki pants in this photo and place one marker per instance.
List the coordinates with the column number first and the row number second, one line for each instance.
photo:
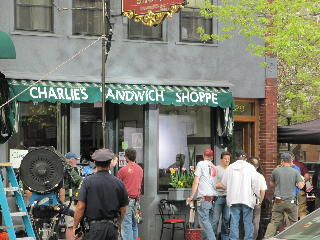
column 256, row 220
column 303, row 207
column 69, row 220
column 277, row 216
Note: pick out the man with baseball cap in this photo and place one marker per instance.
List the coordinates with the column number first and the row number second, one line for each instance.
column 102, row 198
column 205, row 180
column 76, row 180
column 284, row 179
column 242, row 183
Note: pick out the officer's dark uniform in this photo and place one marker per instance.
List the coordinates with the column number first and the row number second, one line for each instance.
column 104, row 195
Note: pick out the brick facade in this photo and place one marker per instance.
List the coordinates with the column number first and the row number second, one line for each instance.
column 268, row 131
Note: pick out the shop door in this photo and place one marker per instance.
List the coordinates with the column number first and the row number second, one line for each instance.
column 242, row 137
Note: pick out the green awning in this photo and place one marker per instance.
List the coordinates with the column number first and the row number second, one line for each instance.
column 7, row 50
column 79, row 92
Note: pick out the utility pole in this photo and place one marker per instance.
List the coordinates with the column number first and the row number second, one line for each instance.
column 103, row 73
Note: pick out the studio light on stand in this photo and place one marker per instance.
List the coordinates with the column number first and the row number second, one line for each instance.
column 288, row 114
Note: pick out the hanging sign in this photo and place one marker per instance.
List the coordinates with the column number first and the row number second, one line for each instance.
column 151, row 12
column 16, row 156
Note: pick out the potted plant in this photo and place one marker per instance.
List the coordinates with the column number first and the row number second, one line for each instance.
column 182, row 183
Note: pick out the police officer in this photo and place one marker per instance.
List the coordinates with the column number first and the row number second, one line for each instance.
column 100, row 198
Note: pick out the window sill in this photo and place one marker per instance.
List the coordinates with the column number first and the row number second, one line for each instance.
column 38, row 34
column 83, row 37
column 144, row 41
column 197, row 44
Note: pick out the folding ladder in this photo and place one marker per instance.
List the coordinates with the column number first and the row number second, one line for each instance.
column 7, row 215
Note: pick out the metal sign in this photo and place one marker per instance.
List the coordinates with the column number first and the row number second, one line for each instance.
column 151, row 12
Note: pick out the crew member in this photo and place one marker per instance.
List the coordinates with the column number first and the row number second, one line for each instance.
column 102, row 198
column 284, row 179
column 131, row 175
column 114, row 162
column 205, row 180
column 241, row 181
column 76, row 179
column 302, row 199
column 221, row 208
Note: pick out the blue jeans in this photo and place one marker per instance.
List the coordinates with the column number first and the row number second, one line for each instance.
column 221, row 207
column 247, row 212
column 205, row 212
column 129, row 227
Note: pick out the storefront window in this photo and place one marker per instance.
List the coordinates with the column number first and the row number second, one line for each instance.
column 131, row 133
column 39, row 126
column 91, row 129
column 244, row 108
column 184, row 134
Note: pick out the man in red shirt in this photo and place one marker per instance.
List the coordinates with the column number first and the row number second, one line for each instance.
column 131, row 175
column 302, row 200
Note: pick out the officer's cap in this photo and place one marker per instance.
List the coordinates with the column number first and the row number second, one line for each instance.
column 102, row 155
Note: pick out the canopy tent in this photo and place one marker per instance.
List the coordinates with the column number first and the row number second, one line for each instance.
column 303, row 133
column 79, row 92
column 7, row 50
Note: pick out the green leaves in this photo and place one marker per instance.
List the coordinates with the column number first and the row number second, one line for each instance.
column 291, row 30
column 181, row 179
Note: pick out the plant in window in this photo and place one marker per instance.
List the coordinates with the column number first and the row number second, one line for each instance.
column 182, row 179
column 190, row 176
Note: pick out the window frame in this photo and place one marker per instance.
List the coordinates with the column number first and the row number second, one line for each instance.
column 16, row 4
column 211, row 140
column 214, row 23
column 144, row 38
column 86, row 9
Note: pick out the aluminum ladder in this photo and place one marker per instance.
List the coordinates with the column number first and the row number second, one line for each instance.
column 7, row 215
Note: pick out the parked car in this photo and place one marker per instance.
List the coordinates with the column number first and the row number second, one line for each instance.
column 307, row 228
column 311, row 166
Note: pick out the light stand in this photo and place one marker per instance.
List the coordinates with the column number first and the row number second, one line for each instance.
column 288, row 114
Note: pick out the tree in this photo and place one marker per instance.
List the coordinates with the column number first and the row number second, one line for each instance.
column 291, row 31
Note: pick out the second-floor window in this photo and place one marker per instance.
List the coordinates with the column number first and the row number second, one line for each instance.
column 137, row 30
column 34, row 15
column 191, row 19
column 87, row 17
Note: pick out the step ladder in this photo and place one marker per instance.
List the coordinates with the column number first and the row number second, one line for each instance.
column 7, row 215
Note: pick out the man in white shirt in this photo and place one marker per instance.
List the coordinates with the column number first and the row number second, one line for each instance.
column 241, row 181
column 263, row 187
column 205, row 181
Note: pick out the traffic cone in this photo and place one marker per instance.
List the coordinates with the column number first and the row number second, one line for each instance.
column 138, row 238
